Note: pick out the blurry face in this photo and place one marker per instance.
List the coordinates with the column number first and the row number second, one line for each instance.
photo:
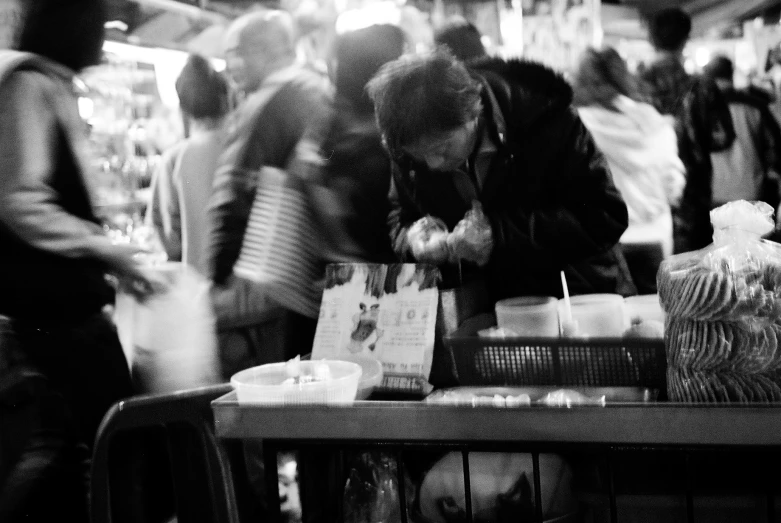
column 445, row 151
column 244, row 63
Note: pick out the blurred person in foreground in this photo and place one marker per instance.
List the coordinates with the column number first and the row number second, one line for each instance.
column 182, row 184
column 54, row 263
column 641, row 148
column 345, row 164
column 495, row 154
column 281, row 100
column 702, row 124
column 749, row 169
column 462, row 38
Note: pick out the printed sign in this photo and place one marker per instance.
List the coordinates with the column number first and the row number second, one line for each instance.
column 384, row 311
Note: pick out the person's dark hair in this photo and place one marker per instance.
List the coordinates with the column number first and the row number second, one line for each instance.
column 422, row 94
column 462, row 38
column 359, row 55
column 203, row 92
column 720, row 67
column 601, row 76
column 670, row 29
column 69, row 32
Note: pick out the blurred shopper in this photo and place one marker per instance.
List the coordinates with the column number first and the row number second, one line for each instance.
column 462, row 38
column 54, row 262
column 702, row 123
column 500, row 140
column 281, row 101
column 351, row 175
column 749, row 169
column 641, row 149
column 182, row 184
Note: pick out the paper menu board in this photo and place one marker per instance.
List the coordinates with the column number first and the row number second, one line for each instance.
column 384, row 311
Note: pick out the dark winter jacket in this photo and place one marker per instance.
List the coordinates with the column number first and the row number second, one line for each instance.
column 357, row 171
column 548, row 194
column 703, row 125
column 262, row 132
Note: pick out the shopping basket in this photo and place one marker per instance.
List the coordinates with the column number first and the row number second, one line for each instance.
column 565, row 362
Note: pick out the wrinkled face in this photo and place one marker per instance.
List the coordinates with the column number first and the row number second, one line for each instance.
column 444, row 151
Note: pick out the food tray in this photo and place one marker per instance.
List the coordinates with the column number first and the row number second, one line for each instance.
column 561, row 362
column 474, row 396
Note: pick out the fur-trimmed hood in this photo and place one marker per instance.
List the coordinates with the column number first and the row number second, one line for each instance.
column 525, row 90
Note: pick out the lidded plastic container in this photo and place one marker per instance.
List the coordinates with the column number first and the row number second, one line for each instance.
column 595, row 316
column 529, row 316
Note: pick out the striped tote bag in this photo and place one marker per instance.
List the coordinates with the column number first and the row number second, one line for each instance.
column 279, row 252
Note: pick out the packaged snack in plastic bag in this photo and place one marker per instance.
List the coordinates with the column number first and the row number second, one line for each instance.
column 472, row 238
column 427, row 239
column 723, row 306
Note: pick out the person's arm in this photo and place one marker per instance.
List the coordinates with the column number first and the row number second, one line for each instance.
column 30, row 207
column 29, row 204
column 403, row 213
column 710, row 113
column 164, row 210
column 587, row 218
column 770, row 142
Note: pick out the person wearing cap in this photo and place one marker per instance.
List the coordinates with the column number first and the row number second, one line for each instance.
column 501, row 140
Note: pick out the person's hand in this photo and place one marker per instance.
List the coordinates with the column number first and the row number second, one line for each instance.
column 427, row 239
column 472, row 238
column 122, row 262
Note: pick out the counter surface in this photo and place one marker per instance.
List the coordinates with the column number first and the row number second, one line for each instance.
column 418, row 422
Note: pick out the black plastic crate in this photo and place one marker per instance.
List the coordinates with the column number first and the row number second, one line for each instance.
column 566, row 362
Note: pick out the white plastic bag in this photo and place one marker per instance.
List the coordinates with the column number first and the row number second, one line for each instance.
column 170, row 338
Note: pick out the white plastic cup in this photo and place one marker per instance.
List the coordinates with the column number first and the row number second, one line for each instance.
column 645, row 307
column 596, row 315
column 529, row 316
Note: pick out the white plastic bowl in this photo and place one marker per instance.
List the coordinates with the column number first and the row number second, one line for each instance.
column 371, row 376
column 264, row 384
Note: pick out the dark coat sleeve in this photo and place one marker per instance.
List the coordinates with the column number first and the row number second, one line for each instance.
column 403, row 213
column 709, row 116
column 586, row 216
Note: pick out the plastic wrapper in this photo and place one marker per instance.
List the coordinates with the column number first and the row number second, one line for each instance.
column 170, row 338
column 472, row 237
column 723, row 311
column 427, row 239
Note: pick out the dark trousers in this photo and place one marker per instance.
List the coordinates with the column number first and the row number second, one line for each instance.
column 74, row 371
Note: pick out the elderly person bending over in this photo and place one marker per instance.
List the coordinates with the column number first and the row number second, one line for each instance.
column 499, row 139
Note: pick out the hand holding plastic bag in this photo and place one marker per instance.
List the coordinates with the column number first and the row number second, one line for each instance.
column 472, row 238
column 170, row 337
column 427, row 239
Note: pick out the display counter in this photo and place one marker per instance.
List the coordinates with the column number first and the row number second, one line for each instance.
column 633, row 462
column 415, row 421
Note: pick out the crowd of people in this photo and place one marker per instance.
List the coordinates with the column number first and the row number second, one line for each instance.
column 500, row 172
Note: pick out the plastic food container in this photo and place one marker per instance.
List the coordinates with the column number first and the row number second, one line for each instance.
column 371, row 376
column 529, row 316
column 596, row 315
column 645, row 307
column 264, row 384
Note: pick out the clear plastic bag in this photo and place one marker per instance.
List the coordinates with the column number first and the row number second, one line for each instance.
column 723, row 311
column 427, row 239
column 472, row 237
